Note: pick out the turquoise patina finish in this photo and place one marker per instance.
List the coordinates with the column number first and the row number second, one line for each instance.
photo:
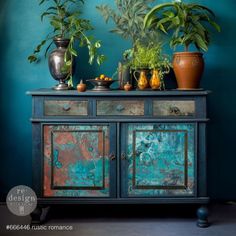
column 76, row 160
column 21, row 30
column 161, row 159
column 127, row 158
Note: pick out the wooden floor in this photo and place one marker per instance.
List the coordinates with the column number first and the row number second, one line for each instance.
column 126, row 221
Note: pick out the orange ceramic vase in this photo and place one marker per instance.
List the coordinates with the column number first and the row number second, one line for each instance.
column 188, row 68
column 155, row 80
column 142, row 81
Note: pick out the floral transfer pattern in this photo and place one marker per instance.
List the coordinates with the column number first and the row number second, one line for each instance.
column 160, row 159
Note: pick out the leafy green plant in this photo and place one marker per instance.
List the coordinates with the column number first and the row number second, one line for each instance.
column 150, row 57
column 65, row 19
column 189, row 23
column 128, row 19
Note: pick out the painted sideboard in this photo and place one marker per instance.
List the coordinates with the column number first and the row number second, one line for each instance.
column 118, row 147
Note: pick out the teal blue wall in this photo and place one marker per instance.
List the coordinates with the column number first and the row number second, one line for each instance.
column 21, row 30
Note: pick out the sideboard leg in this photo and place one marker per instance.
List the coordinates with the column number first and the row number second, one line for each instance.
column 39, row 215
column 202, row 214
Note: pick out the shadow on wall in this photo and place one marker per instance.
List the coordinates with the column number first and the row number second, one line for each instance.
column 3, row 101
column 220, row 78
column 3, row 44
column 221, row 133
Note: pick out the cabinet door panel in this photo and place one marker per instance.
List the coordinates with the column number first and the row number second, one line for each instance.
column 76, row 160
column 159, row 160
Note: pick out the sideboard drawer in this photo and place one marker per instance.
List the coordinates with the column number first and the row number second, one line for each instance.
column 120, row 107
column 65, row 108
column 173, row 108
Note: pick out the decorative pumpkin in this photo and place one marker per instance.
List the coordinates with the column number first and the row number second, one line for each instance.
column 127, row 86
column 81, row 87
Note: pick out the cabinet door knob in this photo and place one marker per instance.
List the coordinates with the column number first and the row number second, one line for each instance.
column 112, row 157
column 123, row 156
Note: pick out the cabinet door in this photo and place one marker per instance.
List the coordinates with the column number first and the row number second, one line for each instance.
column 158, row 160
column 79, row 160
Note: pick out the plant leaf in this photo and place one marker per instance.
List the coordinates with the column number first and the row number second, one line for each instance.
column 73, row 52
column 155, row 10
column 200, row 42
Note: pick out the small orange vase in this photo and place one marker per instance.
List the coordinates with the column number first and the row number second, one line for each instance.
column 142, row 81
column 188, row 68
column 155, row 81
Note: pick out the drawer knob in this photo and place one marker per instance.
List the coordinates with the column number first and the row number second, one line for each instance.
column 112, row 157
column 66, row 107
column 120, row 107
column 175, row 110
column 123, row 156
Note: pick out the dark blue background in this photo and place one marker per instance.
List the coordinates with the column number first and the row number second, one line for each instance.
column 21, row 30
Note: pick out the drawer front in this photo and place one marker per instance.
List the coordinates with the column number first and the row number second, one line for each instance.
column 173, row 108
column 65, row 108
column 122, row 108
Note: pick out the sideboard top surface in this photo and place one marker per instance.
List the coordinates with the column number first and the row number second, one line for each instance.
column 120, row 93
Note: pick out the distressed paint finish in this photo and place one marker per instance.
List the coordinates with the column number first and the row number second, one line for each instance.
column 65, row 108
column 112, row 108
column 173, row 108
column 76, row 160
column 160, row 159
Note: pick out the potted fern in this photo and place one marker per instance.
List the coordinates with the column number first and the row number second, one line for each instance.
column 146, row 58
column 128, row 20
column 67, row 28
column 189, row 24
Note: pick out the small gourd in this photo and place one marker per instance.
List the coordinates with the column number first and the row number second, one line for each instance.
column 127, row 86
column 81, row 87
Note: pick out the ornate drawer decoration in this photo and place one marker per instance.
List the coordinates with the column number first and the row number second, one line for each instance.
column 65, row 108
column 173, row 108
column 122, row 108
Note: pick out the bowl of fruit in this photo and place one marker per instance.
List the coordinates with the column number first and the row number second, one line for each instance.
column 101, row 83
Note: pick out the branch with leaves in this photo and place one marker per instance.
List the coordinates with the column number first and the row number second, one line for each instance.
column 65, row 18
column 188, row 22
column 128, row 18
column 149, row 57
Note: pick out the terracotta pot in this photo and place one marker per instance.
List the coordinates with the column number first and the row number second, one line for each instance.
column 188, row 68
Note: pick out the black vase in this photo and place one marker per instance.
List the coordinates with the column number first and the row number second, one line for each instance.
column 56, row 64
column 124, row 75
